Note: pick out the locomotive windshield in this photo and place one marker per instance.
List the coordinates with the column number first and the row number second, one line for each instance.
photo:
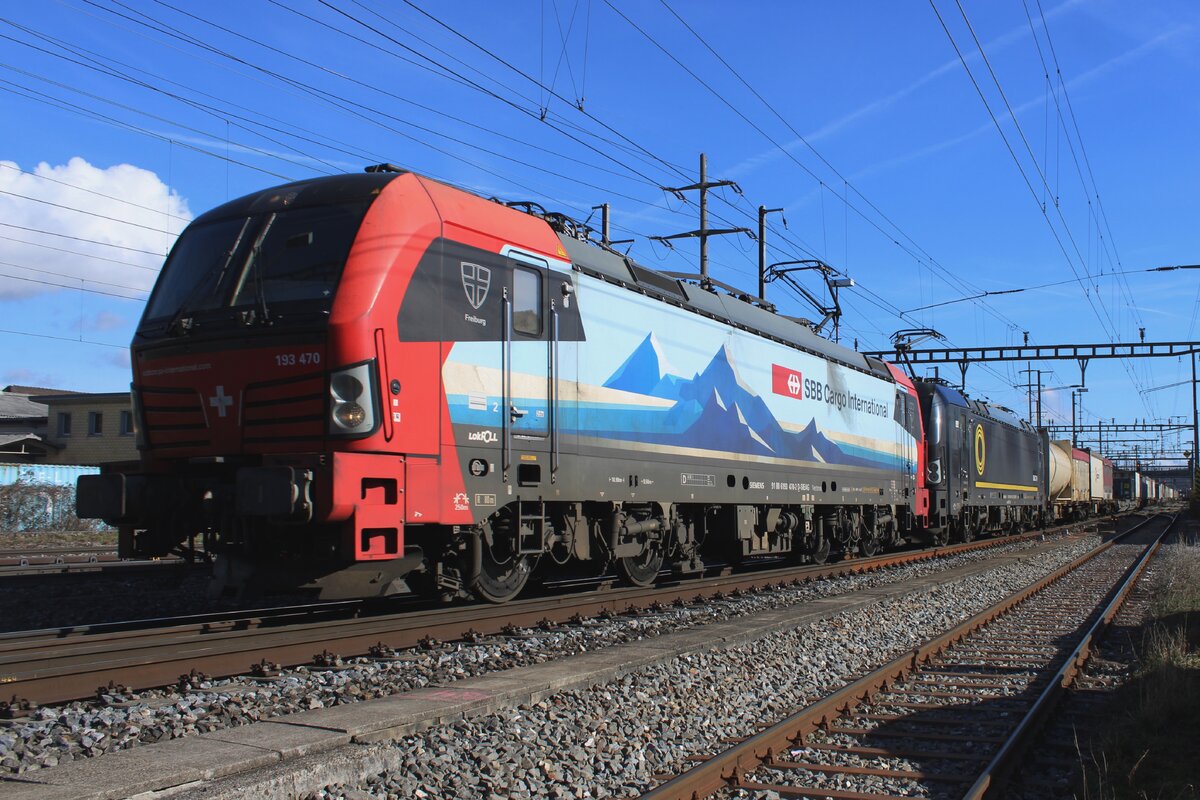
column 287, row 260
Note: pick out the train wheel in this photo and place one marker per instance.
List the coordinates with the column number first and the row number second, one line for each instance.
column 870, row 544
column 502, row 572
column 818, row 552
column 642, row 569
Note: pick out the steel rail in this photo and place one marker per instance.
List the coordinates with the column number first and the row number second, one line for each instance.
column 32, row 552
column 10, row 573
column 56, row 666
column 728, row 768
column 1000, row 768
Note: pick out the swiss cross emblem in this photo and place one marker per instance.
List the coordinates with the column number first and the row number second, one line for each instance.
column 793, row 383
column 220, row 401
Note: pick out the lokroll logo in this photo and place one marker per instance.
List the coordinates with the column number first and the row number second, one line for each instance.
column 787, row 382
column 476, row 281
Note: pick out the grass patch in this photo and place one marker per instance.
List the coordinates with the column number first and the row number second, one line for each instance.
column 1152, row 748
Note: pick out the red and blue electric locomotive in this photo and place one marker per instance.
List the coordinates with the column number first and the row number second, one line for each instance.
column 377, row 383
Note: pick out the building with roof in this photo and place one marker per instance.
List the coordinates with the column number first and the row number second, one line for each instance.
column 22, row 426
column 53, row 426
column 88, row 428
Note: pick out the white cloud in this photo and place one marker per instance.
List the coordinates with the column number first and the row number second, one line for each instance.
column 122, row 205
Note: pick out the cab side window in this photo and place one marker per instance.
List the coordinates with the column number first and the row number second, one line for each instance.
column 911, row 416
column 527, row 301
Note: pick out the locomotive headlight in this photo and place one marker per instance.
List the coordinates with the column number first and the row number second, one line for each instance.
column 352, row 400
column 349, row 415
column 345, row 386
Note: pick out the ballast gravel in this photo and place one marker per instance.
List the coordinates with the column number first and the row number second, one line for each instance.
column 103, row 597
column 611, row 740
column 54, row 735
column 1058, row 609
column 1084, row 721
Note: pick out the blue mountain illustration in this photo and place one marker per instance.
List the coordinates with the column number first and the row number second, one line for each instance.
column 723, row 426
column 721, row 375
column 646, row 372
column 714, row 410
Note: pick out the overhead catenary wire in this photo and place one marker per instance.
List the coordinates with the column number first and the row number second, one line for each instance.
column 114, row 198
column 79, row 253
column 782, row 247
column 67, row 286
column 42, row 97
column 89, row 213
column 168, row 30
column 880, row 300
column 918, row 253
column 79, row 238
column 1111, row 333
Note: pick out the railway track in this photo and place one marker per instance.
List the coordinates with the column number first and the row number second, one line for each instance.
column 33, row 568
column 88, row 560
column 9, row 556
column 59, row 665
column 951, row 719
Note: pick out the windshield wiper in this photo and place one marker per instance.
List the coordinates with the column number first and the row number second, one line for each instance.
column 260, row 314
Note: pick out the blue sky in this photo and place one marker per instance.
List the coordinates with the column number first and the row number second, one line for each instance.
column 862, row 123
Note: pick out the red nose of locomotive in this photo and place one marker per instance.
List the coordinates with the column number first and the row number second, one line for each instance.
column 267, row 399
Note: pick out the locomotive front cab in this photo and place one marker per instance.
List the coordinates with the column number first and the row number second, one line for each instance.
column 260, row 374
column 941, row 410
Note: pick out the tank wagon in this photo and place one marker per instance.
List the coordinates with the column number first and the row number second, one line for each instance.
column 1079, row 484
column 371, row 384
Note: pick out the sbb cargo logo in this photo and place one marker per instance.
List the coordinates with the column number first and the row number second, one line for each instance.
column 787, row 382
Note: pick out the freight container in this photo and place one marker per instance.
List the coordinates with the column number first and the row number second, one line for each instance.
column 1081, row 479
column 1096, row 472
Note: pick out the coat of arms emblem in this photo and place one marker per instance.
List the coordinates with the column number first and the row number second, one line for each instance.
column 476, row 281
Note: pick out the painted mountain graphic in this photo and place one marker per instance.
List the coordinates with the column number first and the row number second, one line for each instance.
column 813, row 446
column 646, row 371
column 715, row 410
column 721, row 375
column 723, row 426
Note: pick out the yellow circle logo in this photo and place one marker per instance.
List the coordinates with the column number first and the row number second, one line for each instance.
column 980, row 450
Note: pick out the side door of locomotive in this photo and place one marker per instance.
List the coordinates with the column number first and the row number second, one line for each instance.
column 528, row 400
column 965, row 458
column 904, row 416
column 912, row 427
